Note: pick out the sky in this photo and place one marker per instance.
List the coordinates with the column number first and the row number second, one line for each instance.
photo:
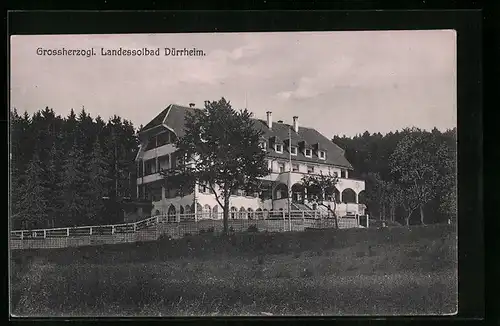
column 340, row 83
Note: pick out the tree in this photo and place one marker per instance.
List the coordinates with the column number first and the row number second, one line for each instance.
column 414, row 163
column 95, row 186
column 320, row 187
column 72, row 181
column 377, row 196
column 51, row 180
column 220, row 148
column 408, row 198
column 32, row 202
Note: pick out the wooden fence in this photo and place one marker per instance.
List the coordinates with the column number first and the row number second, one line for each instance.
column 175, row 226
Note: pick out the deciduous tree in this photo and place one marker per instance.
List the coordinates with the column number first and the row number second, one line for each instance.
column 415, row 163
column 320, row 188
column 220, row 148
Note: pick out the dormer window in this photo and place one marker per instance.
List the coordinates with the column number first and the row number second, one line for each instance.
column 263, row 145
column 293, row 150
column 308, row 152
column 278, row 148
column 322, row 155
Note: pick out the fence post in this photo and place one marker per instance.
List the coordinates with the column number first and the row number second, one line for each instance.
column 157, row 220
column 44, row 234
column 90, row 231
column 135, row 227
column 112, row 229
column 22, row 235
column 367, row 220
column 67, row 232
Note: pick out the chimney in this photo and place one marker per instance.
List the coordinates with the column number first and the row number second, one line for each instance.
column 191, row 105
column 269, row 119
column 296, row 124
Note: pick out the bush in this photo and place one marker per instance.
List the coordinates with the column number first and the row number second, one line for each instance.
column 187, row 234
column 211, row 230
column 253, row 228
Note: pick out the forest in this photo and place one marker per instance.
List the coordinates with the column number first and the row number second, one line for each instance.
column 410, row 174
column 63, row 170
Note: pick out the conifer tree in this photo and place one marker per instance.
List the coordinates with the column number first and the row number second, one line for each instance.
column 32, row 201
column 96, row 184
column 72, row 181
column 52, row 186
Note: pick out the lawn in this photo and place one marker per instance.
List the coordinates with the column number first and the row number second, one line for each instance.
column 385, row 271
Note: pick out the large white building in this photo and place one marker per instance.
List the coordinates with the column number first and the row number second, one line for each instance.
column 311, row 153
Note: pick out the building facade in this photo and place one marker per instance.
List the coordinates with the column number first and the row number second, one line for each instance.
column 308, row 151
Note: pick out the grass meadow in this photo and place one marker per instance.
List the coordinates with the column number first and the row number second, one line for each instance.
column 395, row 270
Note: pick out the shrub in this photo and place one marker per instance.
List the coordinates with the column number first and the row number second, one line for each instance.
column 211, row 230
column 187, row 234
column 253, row 228
column 202, row 231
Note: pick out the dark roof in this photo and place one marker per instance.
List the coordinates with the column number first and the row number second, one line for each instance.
column 174, row 117
column 157, row 121
column 334, row 154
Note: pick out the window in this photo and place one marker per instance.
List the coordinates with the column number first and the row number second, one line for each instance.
column 281, row 167
column 150, row 166
column 203, row 188
column 163, row 139
column 310, row 169
column 295, row 167
column 139, row 169
column 342, row 173
column 308, row 153
column 151, row 144
column 322, row 155
column 163, row 163
column 278, row 148
column 263, row 145
column 293, row 150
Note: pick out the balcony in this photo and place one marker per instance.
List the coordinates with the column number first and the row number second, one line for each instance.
column 158, row 151
column 149, row 178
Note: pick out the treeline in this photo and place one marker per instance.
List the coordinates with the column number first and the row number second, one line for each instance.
column 410, row 174
column 64, row 169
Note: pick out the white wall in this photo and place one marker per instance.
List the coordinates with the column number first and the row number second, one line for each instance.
column 159, row 151
column 164, row 204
